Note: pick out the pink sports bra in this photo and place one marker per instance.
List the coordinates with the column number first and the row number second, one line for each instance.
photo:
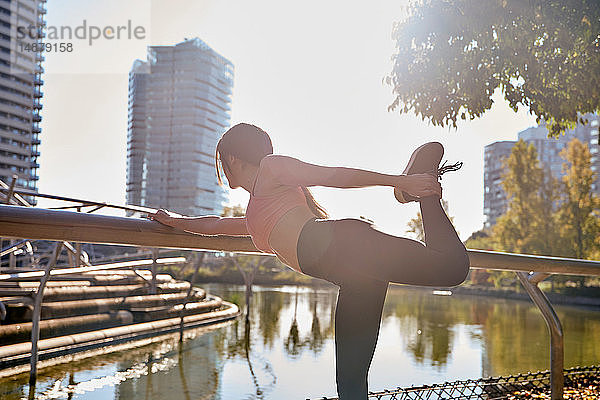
column 263, row 212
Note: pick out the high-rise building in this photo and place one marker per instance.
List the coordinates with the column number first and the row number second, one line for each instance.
column 494, row 197
column 548, row 150
column 21, row 31
column 179, row 106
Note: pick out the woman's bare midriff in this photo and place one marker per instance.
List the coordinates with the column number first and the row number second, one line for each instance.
column 284, row 236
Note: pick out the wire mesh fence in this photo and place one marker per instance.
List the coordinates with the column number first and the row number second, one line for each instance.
column 495, row 388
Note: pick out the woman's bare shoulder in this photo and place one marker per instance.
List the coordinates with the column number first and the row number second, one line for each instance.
column 266, row 183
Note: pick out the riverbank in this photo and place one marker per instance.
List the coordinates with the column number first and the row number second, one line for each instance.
column 555, row 298
column 584, row 297
column 268, row 278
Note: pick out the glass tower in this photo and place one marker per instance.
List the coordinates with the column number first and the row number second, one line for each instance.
column 179, row 106
column 20, row 91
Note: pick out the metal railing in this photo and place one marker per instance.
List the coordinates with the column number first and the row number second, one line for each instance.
column 60, row 225
column 50, row 270
column 78, row 263
column 493, row 388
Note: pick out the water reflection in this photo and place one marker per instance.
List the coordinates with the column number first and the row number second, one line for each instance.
column 292, row 342
column 241, row 347
column 315, row 339
column 189, row 371
column 284, row 349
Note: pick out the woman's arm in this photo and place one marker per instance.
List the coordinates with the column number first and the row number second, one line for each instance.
column 207, row 225
column 291, row 171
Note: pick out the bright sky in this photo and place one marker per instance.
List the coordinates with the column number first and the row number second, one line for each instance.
column 309, row 73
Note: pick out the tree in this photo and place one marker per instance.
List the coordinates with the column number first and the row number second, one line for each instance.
column 247, row 265
column 543, row 54
column 545, row 216
column 528, row 226
column 481, row 240
column 579, row 212
column 234, row 211
column 415, row 225
column 547, row 238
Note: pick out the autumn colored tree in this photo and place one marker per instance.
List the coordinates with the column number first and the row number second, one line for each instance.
column 545, row 216
column 547, row 240
column 528, row 226
column 579, row 212
column 452, row 55
column 481, row 240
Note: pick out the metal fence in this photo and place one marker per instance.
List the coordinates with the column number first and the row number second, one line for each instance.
column 495, row 388
column 60, row 225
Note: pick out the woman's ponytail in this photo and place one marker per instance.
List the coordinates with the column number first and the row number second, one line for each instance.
column 315, row 207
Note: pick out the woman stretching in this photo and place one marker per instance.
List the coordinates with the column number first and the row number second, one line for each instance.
column 283, row 218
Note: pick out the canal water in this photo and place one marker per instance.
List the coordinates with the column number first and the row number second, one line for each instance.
column 285, row 350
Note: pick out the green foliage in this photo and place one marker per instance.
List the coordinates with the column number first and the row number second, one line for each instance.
column 235, row 298
column 545, row 216
column 451, row 55
column 579, row 213
column 529, row 225
column 485, row 240
column 481, row 240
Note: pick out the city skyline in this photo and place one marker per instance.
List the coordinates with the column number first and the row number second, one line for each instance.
column 112, row 109
column 318, row 92
column 548, row 151
column 179, row 105
column 20, row 94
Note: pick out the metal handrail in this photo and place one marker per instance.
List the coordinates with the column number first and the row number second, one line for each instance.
column 37, row 314
column 4, row 189
column 502, row 261
column 49, row 271
column 557, row 352
column 91, row 268
column 43, row 224
column 32, row 223
column 37, row 223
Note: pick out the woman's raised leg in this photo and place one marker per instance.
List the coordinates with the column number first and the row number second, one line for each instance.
column 358, row 247
column 439, row 232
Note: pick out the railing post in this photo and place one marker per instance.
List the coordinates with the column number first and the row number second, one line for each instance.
column 78, row 249
column 35, row 320
column 557, row 353
column 12, row 259
column 189, row 294
column 153, row 269
column 11, row 189
column 78, row 254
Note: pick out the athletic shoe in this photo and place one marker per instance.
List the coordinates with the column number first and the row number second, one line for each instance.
column 425, row 160
column 404, row 197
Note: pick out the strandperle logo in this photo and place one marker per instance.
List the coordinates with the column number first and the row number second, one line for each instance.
column 91, row 33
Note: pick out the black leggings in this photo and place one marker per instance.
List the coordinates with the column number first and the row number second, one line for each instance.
column 362, row 261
